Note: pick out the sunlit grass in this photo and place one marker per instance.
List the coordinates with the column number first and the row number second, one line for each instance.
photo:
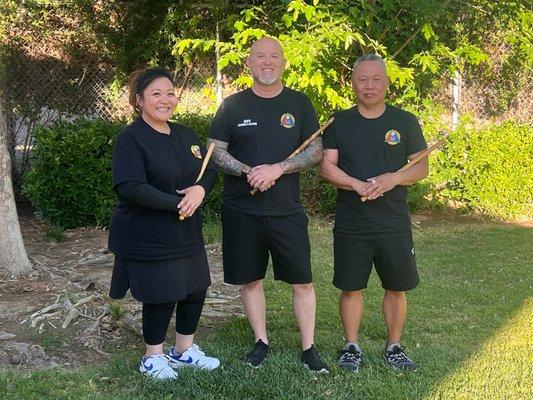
column 501, row 369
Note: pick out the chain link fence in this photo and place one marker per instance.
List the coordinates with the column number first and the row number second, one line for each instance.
column 42, row 90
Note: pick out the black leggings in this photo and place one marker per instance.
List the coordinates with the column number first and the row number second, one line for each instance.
column 156, row 317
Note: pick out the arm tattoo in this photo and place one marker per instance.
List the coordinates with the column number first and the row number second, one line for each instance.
column 309, row 156
column 224, row 161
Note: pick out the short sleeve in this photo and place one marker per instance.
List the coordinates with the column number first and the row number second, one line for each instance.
column 127, row 163
column 221, row 128
column 330, row 137
column 310, row 123
column 415, row 138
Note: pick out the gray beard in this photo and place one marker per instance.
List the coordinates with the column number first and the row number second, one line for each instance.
column 268, row 79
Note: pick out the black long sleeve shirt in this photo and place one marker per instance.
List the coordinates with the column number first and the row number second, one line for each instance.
column 148, row 167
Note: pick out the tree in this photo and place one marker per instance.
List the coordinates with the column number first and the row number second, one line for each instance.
column 13, row 257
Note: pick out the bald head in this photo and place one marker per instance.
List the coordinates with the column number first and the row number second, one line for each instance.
column 266, row 62
column 266, row 42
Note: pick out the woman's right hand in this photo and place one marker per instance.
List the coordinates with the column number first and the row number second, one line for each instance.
column 192, row 198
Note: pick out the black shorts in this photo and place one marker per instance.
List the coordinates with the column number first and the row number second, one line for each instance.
column 247, row 241
column 394, row 259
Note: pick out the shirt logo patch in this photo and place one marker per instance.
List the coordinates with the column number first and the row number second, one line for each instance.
column 247, row 122
column 393, row 137
column 195, row 150
column 287, row 120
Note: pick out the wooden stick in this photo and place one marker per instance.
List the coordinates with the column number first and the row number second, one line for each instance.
column 203, row 168
column 206, row 161
column 420, row 157
column 306, row 142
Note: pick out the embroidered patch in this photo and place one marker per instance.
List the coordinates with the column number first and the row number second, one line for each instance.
column 287, row 120
column 195, row 150
column 393, row 137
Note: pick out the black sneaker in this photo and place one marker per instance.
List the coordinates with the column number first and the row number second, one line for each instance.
column 395, row 357
column 313, row 362
column 258, row 353
column 351, row 357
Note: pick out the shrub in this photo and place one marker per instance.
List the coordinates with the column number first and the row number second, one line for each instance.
column 487, row 170
column 70, row 183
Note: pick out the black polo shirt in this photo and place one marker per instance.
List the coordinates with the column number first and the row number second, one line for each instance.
column 367, row 148
column 264, row 131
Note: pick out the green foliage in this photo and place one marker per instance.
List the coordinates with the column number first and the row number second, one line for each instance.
column 322, row 39
column 55, row 234
column 487, row 170
column 116, row 309
column 70, row 183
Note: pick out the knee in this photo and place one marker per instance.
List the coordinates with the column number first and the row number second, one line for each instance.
column 304, row 289
column 351, row 294
column 393, row 294
column 252, row 287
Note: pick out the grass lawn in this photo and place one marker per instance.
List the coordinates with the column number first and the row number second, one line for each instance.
column 469, row 328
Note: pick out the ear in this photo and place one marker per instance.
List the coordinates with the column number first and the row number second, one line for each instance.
column 247, row 62
column 138, row 99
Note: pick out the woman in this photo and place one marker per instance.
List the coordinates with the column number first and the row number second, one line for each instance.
column 159, row 257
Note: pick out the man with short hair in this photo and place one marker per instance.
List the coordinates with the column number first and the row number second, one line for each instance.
column 363, row 150
column 254, row 132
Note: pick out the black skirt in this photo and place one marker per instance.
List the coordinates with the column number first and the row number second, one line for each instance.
column 159, row 281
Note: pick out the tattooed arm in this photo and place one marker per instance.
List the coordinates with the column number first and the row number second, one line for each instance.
column 264, row 174
column 224, row 161
column 310, row 156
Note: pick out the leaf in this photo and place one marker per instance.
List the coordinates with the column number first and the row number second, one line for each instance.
column 428, row 32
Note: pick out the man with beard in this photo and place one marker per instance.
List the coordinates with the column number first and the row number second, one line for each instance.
column 255, row 131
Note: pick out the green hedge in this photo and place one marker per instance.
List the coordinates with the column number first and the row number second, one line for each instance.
column 70, row 180
column 486, row 170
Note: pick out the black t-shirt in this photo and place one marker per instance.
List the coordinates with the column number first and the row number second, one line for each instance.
column 166, row 162
column 367, row 148
column 264, row 131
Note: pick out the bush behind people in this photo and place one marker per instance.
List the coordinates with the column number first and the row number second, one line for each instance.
column 486, row 170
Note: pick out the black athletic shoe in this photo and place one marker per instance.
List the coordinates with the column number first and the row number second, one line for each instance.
column 395, row 357
column 258, row 353
column 351, row 358
column 313, row 362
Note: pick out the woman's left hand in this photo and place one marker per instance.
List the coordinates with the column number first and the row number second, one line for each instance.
column 192, row 198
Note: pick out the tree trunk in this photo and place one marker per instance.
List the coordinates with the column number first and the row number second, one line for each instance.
column 13, row 257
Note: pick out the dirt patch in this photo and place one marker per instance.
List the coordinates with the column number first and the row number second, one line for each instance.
column 61, row 315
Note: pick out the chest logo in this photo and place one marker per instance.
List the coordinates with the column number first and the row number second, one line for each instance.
column 393, row 137
column 195, row 150
column 247, row 122
column 287, row 120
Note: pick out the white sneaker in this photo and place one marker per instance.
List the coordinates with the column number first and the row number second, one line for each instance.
column 192, row 357
column 156, row 366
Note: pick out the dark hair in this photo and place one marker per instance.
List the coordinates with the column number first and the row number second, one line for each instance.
column 369, row 57
column 142, row 78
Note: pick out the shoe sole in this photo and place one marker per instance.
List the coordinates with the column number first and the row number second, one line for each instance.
column 350, row 368
column 323, row 371
column 398, row 368
column 178, row 366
